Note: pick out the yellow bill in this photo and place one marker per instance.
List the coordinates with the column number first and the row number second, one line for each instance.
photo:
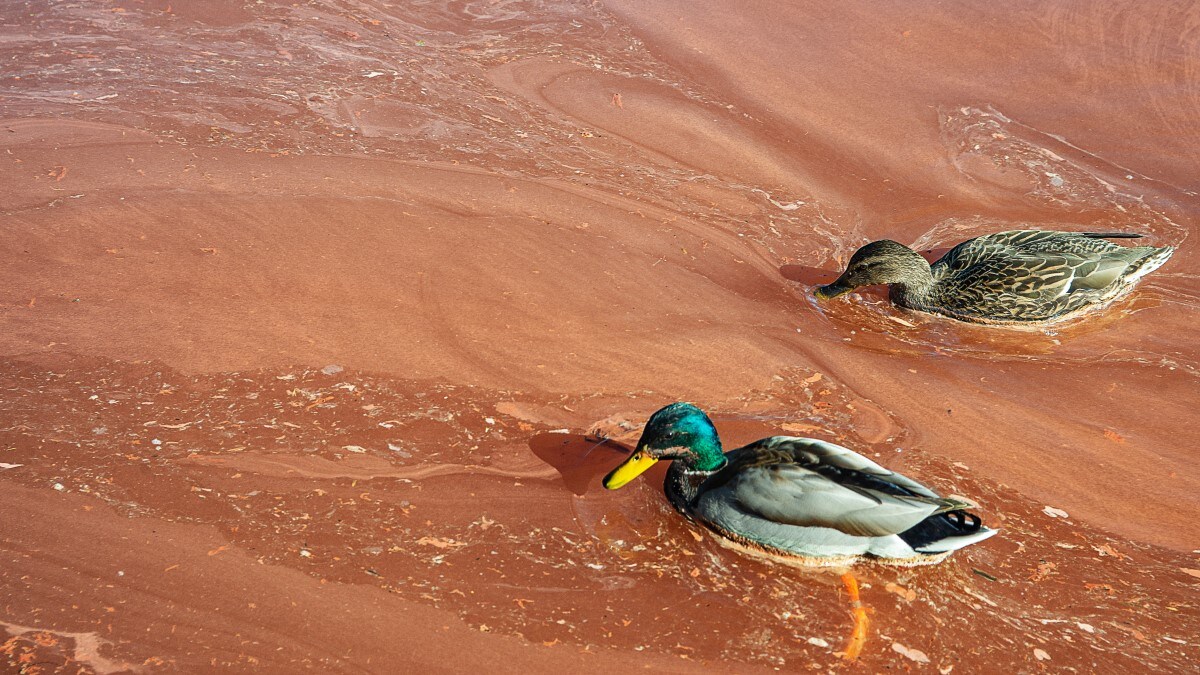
column 631, row 468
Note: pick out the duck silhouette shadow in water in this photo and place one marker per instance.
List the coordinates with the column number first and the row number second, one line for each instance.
column 582, row 460
column 809, row 276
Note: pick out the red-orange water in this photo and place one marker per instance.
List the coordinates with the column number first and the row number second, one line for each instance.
column 504, row 219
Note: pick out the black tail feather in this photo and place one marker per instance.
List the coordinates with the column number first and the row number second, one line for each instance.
column 941, row 526
column 1112, row 235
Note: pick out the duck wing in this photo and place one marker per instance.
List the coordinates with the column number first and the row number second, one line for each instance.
column 1044, row 275
column 1050, row 241
column 1031, row 276
column 806, row 482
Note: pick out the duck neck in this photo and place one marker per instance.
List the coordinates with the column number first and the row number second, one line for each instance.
column 915, row 283
column 709, row 456
column 686, row 475
column 682, row 485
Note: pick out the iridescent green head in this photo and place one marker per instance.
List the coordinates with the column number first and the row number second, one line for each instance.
column 680, row 432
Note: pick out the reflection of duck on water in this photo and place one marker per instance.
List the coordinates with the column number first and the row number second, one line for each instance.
column 1014, row 277
column 798, row 500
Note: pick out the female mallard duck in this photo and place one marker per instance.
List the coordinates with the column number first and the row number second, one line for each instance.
column 1014, row 277
column 797, row 500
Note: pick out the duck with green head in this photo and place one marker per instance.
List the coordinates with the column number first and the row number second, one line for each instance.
column 795, row 500
column 1018, row 277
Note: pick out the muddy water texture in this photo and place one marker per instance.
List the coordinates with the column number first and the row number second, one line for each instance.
column 312, row 315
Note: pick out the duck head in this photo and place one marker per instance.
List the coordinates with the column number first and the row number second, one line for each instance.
column 680, row 432
column 879, row 262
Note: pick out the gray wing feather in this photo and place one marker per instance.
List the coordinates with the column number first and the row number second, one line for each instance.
column 794, row 495
column 780, row 479
column 1097, row 273
column 813, row 453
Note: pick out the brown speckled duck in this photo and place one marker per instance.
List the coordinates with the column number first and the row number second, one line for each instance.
column 1014, row 277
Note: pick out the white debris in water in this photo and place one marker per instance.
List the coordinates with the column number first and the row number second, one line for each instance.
column 782, row 206
column 1085, row 627
column 332, row 369
column 911, row 654
column 818, row 642
column 1055, row 513
column 60, row 487
column 305, row 553
column 354, row 448
column 1041, row 655
column 5, row 465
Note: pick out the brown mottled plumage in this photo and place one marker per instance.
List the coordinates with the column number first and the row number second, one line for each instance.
column 1013, row 277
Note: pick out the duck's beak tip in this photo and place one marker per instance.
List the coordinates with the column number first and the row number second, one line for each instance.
column 830, row 291
column 631, row 468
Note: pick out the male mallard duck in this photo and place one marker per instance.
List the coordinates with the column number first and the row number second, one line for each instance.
column 797, row 500
column 1014, row 277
